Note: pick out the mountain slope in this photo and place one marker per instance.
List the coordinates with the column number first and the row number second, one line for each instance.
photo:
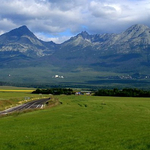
column 126, row 51
column 83, row 56
column 24, row 41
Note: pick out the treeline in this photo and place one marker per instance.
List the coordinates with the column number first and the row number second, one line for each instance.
column 124, row 92
column 54, row 91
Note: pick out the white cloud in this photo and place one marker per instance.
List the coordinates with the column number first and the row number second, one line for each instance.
column 53, row 17
column 57, row 39
column 116, row 16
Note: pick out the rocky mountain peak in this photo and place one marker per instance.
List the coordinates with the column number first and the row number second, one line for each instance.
column 84, row 34
column 133, row 32
column 23, row 30
column 22, row 40
column 138, row 29
column 127, row 51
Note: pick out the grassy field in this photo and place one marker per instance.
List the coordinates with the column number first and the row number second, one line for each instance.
column 80, row 123
column 11, row 96
column 76, row 77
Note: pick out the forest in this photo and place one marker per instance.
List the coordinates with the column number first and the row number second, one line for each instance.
column 127, row 92
column 54, row 91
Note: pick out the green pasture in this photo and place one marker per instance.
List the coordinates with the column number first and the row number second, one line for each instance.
column 76, row 77
column 80, row 123
column 13, row 96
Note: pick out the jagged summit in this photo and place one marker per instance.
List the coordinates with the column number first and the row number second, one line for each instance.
column 138, row 27
column 23, row 40
column 23, row 27
column 127, row 52
column 84, row 34
column 22, row 30
column 136, row 33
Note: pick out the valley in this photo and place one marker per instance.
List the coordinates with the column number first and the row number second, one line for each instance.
column 100, row 60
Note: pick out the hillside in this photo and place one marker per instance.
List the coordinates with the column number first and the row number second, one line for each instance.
column 128, row 50
column 84, row 57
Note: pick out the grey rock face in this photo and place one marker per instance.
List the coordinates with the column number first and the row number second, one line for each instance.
column 24, row 41
column 99, row 50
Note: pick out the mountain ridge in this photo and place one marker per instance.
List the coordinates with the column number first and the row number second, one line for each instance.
column 23, row 40
column 125, row 53
column 135, row 35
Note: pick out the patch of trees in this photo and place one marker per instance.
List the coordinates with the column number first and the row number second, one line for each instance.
column 127, row 92
column 54, row 91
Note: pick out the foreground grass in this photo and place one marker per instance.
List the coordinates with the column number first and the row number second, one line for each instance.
column 81, row 123
column 11, row 97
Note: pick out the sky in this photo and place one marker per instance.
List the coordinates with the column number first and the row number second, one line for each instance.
column 58, row 20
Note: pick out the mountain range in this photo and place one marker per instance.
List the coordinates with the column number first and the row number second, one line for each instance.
column 84, row 57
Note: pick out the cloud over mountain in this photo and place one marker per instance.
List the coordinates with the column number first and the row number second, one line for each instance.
column 59, row 19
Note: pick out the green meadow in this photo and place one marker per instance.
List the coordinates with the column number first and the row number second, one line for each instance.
column 11, row 96
column 80, row 123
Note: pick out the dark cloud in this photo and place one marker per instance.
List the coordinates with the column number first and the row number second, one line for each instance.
column 54, row 17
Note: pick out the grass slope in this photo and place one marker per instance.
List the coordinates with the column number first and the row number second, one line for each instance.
column 11, row 96
column 81, row 122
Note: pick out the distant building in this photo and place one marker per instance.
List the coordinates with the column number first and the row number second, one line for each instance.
column 87, row 92
column 78, row 93
column 83, row 93
column 56, row 76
